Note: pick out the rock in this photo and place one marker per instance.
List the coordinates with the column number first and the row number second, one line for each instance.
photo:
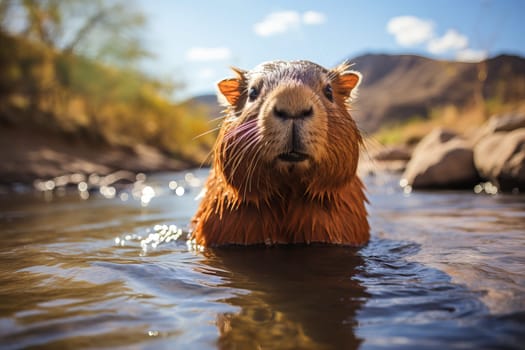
column 391, row 159
column 393, row 153
column 28, row 154
column 500, row 158
column 506, row 122
column 500, row 123
column 441, row 160
column 437, row 136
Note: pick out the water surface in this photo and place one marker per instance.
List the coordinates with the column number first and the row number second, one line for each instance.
column 444, row 270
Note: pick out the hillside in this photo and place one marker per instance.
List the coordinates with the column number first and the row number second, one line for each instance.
column 66, row 113
column 209, row 104
column 398, row 88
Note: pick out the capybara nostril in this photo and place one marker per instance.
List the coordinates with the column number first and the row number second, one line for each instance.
column 307, row 112
column 281, row 114
column 284, row 114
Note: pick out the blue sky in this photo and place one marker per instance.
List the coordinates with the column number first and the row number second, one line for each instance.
column 194, row 42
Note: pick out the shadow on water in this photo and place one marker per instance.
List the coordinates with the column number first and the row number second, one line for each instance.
column 344, row 298
column 298, row 297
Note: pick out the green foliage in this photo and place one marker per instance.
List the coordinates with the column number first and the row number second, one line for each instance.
column 401, row 132
column 68, row 66
column 107, row 30
column 497, row 105
column 44, row 88
column 463, row 120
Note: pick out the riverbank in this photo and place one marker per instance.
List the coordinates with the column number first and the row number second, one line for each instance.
column 442, row 160
column 62, row 113
column 490, row 159
column 27, row 155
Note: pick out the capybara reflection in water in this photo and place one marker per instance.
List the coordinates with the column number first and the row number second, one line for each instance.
column 285, row 160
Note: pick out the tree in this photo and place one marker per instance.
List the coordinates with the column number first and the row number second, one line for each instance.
column 107, row 30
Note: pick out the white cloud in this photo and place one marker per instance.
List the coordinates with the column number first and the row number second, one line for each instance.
column 471, row 55
column 208, row 54
column 283, row 21
column 451, row 41
column 277, row 23
column 313, row 17
column 410, row 30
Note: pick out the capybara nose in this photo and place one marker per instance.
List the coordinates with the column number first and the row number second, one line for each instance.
column 293, row 100
column 284, row 113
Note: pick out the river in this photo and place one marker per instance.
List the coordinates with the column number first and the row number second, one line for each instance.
column 113, row 269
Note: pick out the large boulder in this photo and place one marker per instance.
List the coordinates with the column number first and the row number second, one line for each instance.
column 506, row 122
column 500, row 158
column 441, row 160
column 500, row 123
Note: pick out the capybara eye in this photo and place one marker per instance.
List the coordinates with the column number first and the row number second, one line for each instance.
column 328, row 92
column 253, row 93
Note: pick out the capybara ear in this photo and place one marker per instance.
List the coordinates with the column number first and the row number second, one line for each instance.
column 346, row 80
column 350, row 81
column 231, row 89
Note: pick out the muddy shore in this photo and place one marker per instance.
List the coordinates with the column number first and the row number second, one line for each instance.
column 27, row 155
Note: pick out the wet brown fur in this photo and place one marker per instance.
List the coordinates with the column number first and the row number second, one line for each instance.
column 252, row 198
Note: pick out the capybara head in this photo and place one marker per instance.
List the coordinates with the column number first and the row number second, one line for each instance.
column 287, row 127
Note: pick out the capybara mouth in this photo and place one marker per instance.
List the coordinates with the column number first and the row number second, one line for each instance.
column 293, row 157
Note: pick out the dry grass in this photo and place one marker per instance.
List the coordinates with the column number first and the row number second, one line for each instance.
column 466, row 121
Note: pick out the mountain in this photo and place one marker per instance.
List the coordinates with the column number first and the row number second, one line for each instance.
column 396, row 88
column 209, row 103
